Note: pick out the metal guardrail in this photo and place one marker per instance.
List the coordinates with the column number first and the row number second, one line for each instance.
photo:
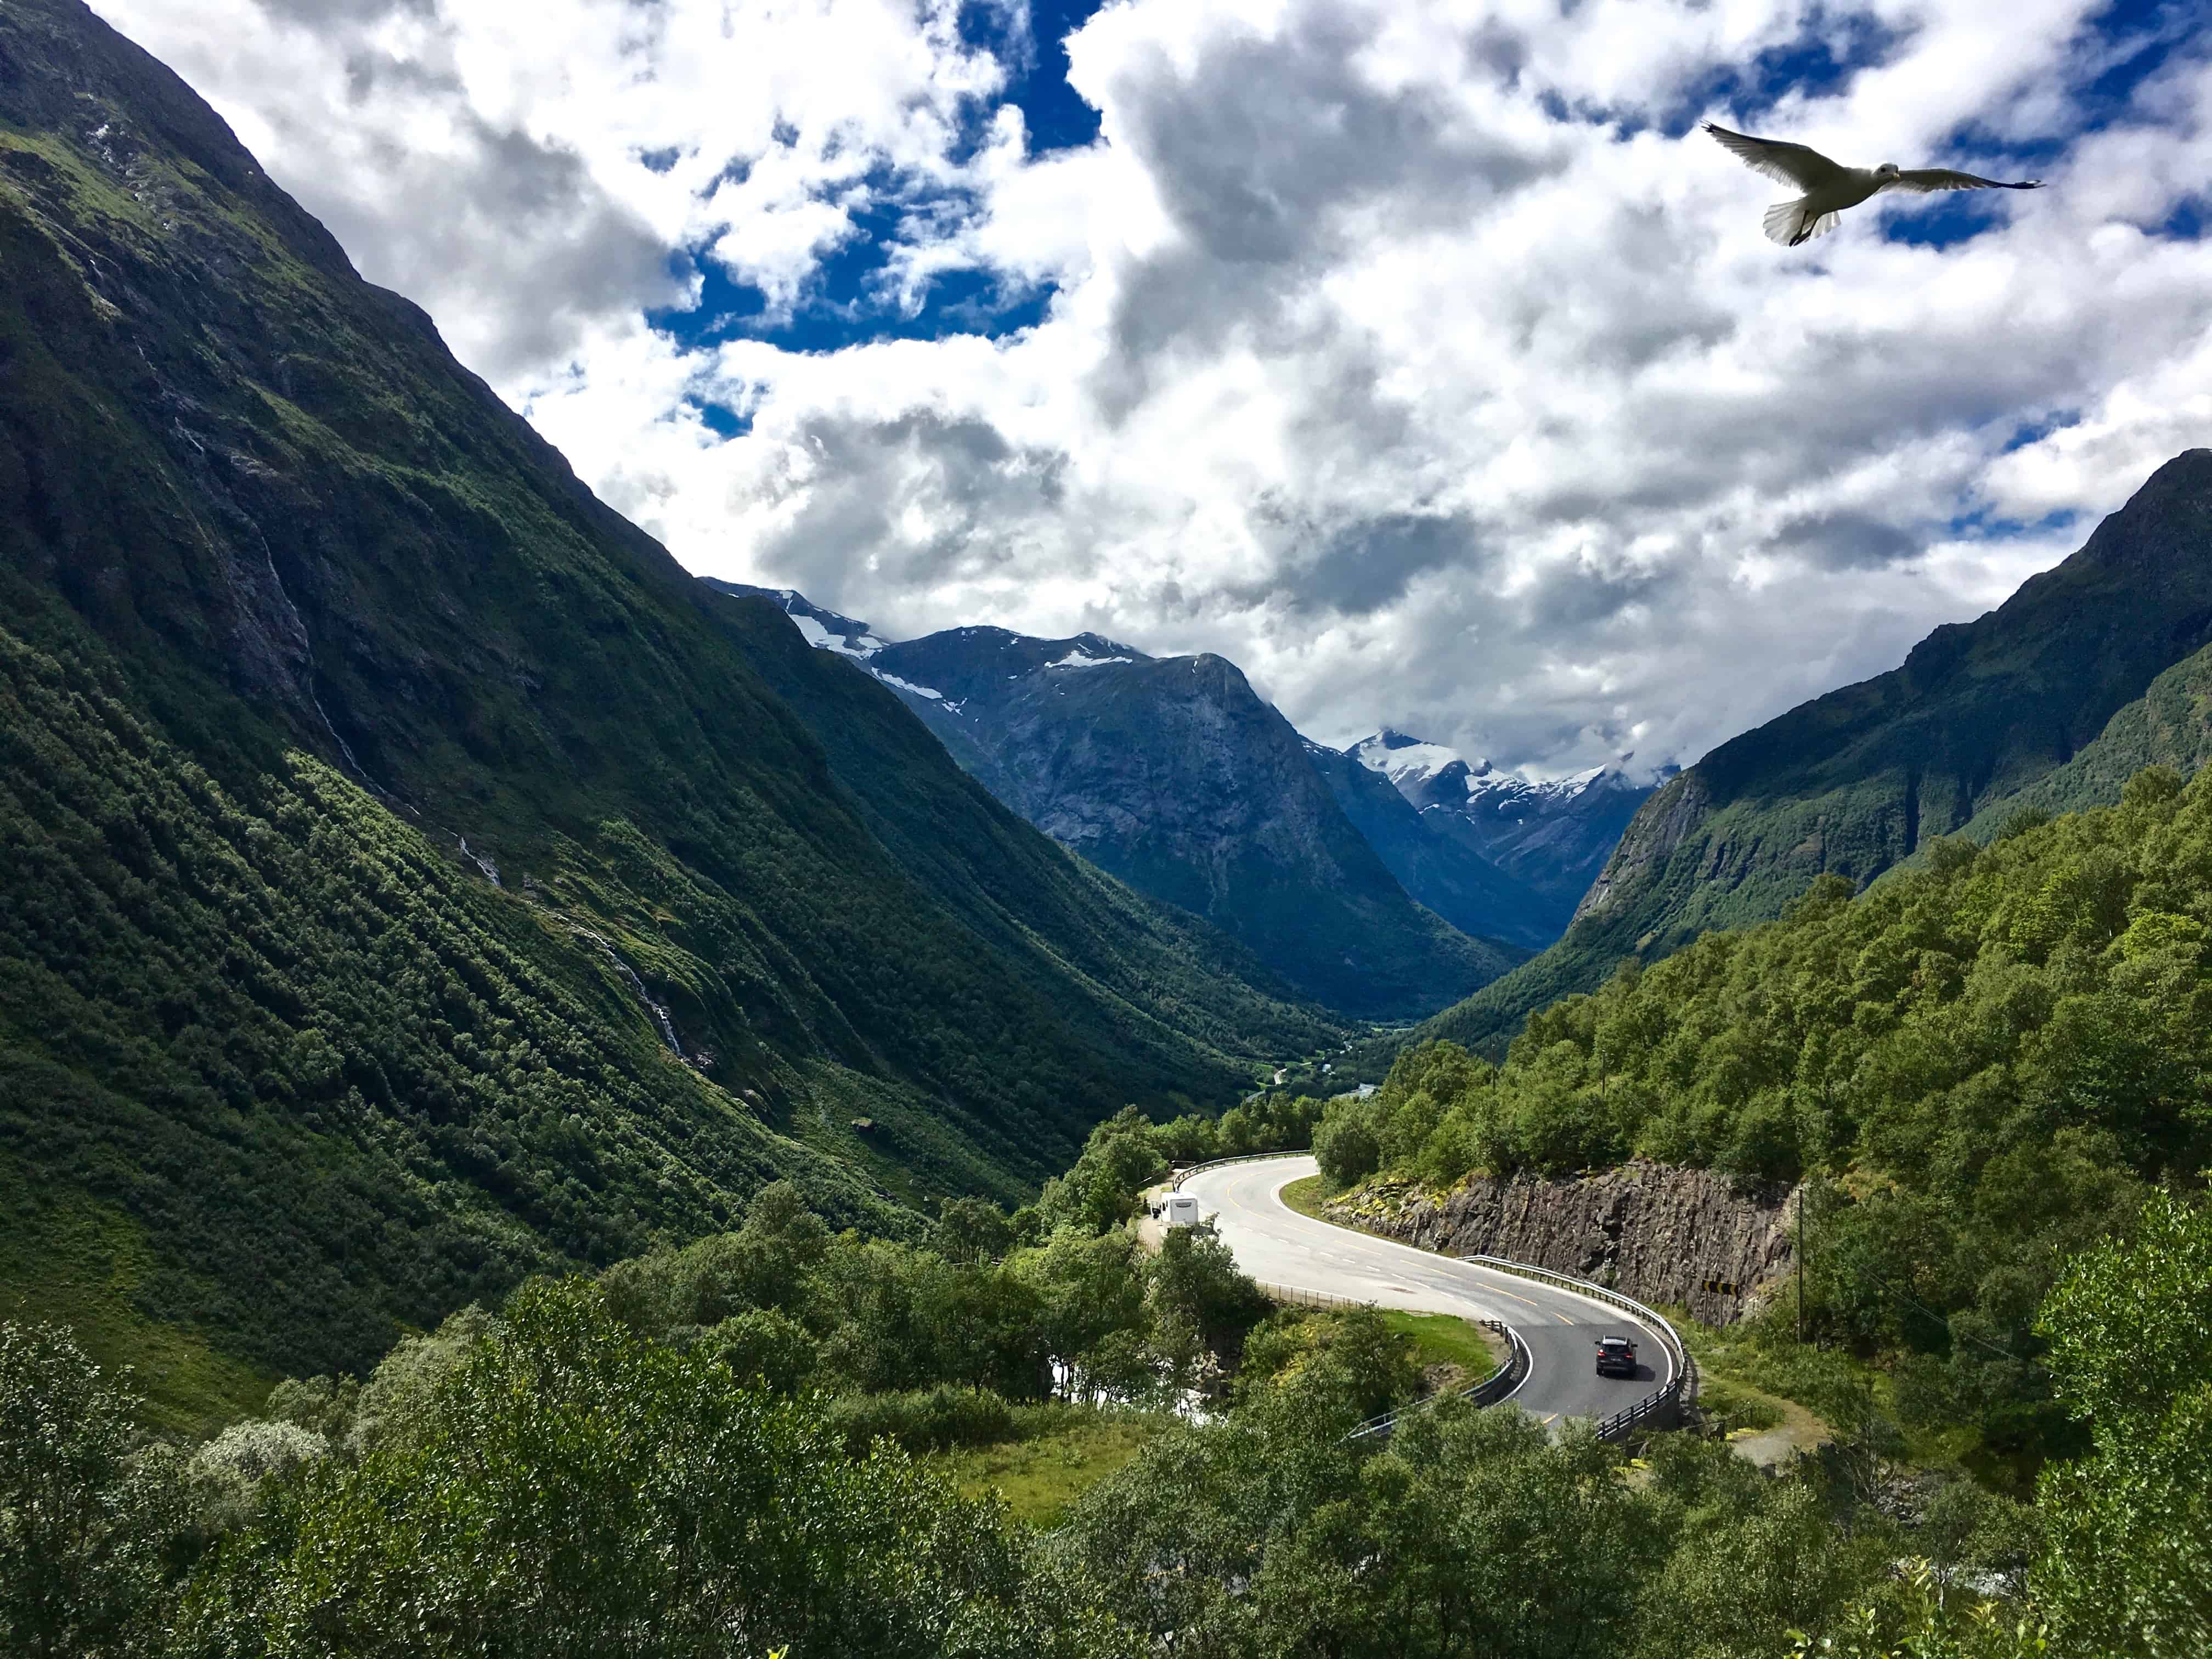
column 1665, row 1400
column 1500, row 1384
column 1182, row 1175
column 1297, row 1297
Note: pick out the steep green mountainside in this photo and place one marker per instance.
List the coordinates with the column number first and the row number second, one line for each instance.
column 2170, row 725
column 410, row 878
column 1852, row 783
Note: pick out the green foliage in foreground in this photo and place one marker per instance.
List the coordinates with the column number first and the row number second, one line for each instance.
column 83, row 1523
column 575, row 1489
column 1981, row 1064
column 549, row 1480
column 2130, row 1328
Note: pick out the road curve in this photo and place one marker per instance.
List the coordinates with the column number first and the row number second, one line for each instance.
column 1276, row 1245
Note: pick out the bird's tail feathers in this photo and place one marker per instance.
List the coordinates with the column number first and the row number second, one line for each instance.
column 1788, row 223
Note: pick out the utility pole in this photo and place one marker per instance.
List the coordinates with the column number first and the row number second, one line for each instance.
column 1801, row 1259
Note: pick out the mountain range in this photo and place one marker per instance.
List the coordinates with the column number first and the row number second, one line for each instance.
column 1098, row 744
column 412, row 879
column 1552, row 836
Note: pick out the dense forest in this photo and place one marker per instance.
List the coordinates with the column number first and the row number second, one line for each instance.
column 749, row 1447
column 1982, row 1065
column 787, row 1437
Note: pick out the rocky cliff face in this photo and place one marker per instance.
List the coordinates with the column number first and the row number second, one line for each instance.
column 1660, row 1234
column 1438, row 868
column 1175, row 775
column 1655, row 831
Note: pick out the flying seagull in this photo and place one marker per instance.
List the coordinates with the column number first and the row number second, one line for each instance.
column 1829, row 188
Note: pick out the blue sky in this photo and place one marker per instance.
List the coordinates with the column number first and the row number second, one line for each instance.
column 847, row 303
column 1424, row 358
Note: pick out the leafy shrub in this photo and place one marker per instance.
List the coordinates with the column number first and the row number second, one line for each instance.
column 921, row 1419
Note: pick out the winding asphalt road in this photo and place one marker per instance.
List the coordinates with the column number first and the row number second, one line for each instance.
column 1278, row 1246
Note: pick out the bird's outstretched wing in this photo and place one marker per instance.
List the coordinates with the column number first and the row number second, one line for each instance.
column 1924, row 181
column 1785, row 163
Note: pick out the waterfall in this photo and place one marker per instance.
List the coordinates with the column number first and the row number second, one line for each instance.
column 659, row 1013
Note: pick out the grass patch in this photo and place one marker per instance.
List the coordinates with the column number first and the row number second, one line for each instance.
column 1842, row 1391
column 1307, row 1196
column 1730, row 1404
column 1447, row 1340
column 1742, row 1366
column 66, row 1259
column 1040, row 1476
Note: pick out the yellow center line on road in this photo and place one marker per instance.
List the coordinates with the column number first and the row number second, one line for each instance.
column 1522, row 1300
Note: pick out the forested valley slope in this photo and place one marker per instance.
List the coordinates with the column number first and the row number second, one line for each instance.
column 597, row 1137
column 411, row 877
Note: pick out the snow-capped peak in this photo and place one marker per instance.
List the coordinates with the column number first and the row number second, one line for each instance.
column 1408, row 762
column 821, row 627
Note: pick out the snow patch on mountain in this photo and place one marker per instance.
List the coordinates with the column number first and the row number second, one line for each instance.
column 820, row 627
column 1425, row 771
column 859, row 648
column 1079, row 658
column 897, row 684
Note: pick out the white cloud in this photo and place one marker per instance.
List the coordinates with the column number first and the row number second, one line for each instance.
column 1395, row 351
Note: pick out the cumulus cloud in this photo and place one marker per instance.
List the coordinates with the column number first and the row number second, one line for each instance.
column 1421, row 357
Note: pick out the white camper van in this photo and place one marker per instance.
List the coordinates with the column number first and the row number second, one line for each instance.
column 1178, row 1210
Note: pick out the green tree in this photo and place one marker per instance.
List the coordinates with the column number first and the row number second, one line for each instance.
column 2131, row 1526
column 971, row 1230
column 579, row 1490
column 86, row 1519
column 1347, row 1146
column 1361, row 1357
column 764, row 1345
column 1196, row 1279
column 1120, row 1159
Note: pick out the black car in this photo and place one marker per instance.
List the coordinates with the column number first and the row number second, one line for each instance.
column 1616, row 1357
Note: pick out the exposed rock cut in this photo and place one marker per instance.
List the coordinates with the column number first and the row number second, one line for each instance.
column 1655, row 1232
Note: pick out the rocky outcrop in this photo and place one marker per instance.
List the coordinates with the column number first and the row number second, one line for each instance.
column 1649, row 840
column 1661, row 1234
